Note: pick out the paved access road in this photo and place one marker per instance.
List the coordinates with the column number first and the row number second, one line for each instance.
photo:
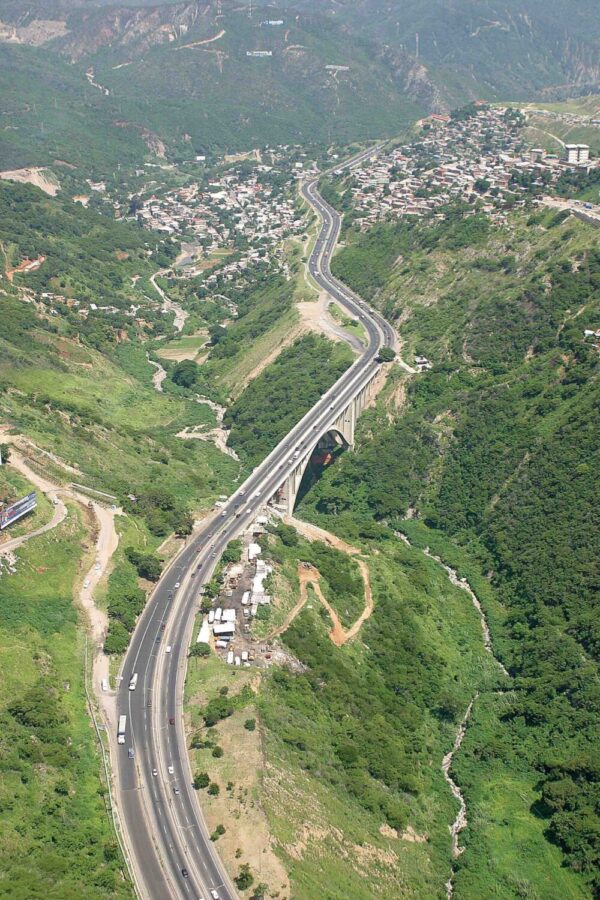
column 171, row 853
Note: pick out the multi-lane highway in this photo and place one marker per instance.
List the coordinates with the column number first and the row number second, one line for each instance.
column 168, row 842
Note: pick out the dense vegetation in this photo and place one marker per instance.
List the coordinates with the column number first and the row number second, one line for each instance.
column 56, row 837
column 53, row 117
column 272, row 404
column 88, row 260
column 497, row 449
column 367, row 724
column 153, row 89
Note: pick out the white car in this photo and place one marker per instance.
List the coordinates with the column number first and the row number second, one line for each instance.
column 168, row 648
column 86, row 583
column 214, row 895
column 171, row 770
column 154, row 772
column 177, row 584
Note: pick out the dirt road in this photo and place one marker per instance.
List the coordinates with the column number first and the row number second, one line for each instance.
column 307, row 574
column 106, row 541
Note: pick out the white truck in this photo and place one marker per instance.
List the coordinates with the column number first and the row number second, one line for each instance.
column 121, row 729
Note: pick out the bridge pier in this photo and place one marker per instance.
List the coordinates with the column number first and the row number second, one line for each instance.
column 344, row 425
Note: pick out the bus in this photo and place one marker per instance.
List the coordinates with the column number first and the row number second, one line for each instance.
column 133, row 682
column 121, row 731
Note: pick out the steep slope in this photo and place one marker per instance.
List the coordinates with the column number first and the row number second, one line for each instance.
column 499, row 449
column 490, row 49
column 200, row 80
column 50, row 113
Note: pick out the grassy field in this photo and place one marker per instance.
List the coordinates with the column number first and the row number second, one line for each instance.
column 352, row 326
column 56, row 838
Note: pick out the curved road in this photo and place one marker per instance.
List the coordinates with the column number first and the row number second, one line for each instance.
column 168, row 842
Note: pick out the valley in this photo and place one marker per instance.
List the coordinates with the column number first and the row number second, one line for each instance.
column 299, row 350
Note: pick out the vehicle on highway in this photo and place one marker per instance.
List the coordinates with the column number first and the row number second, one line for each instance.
column 121, row 729
column 177, row 584
column 224, row 513
column 184, row 872
column 214, row 895
column 198, row 549
column 133, row 682
column 131, row 753
column 168, row 648
column 154, row 772
column 171, row 721
column 175, row 789
column 171, row 770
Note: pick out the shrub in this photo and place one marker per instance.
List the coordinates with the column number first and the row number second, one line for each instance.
column 244, row 879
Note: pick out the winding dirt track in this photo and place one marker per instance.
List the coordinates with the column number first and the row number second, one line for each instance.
column 106, row 539
column 307, row 574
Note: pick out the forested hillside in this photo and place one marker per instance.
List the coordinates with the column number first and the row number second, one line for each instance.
column 195, row 80
column 484, row 48
column 493, row 460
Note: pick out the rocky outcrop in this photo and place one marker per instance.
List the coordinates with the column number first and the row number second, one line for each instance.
column 133, row 29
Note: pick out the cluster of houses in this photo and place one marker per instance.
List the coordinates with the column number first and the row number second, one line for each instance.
column 469, row 158
column 244, row 592
column 238, row 203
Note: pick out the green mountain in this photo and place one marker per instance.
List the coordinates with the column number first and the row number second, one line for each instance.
column 490, row 460
column 199, row 80
column 484, row 48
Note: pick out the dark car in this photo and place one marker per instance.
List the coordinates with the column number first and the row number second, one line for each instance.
column 171, row 721
column 185, row 873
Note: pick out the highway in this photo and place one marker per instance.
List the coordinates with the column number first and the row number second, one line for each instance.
column 168, row 842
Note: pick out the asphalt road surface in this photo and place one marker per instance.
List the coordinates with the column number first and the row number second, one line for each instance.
column 170, row 849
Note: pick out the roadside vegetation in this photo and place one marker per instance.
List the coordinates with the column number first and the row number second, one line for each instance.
column 56, row 836
column 279, row 397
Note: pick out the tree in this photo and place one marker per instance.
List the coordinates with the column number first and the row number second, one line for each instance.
column 185, row 373
column 147, row 565
column 245, row 878
column 213, row 789
column 4, row 452
column 250, row 724
column 259, row 891
column 201, row 781
column 217, row 752
column 386, row 354
column 199, row 651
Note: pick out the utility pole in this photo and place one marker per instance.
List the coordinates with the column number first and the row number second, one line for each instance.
column 417, row 45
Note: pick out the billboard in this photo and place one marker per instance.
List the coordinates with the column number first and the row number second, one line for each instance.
column 17, row 509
